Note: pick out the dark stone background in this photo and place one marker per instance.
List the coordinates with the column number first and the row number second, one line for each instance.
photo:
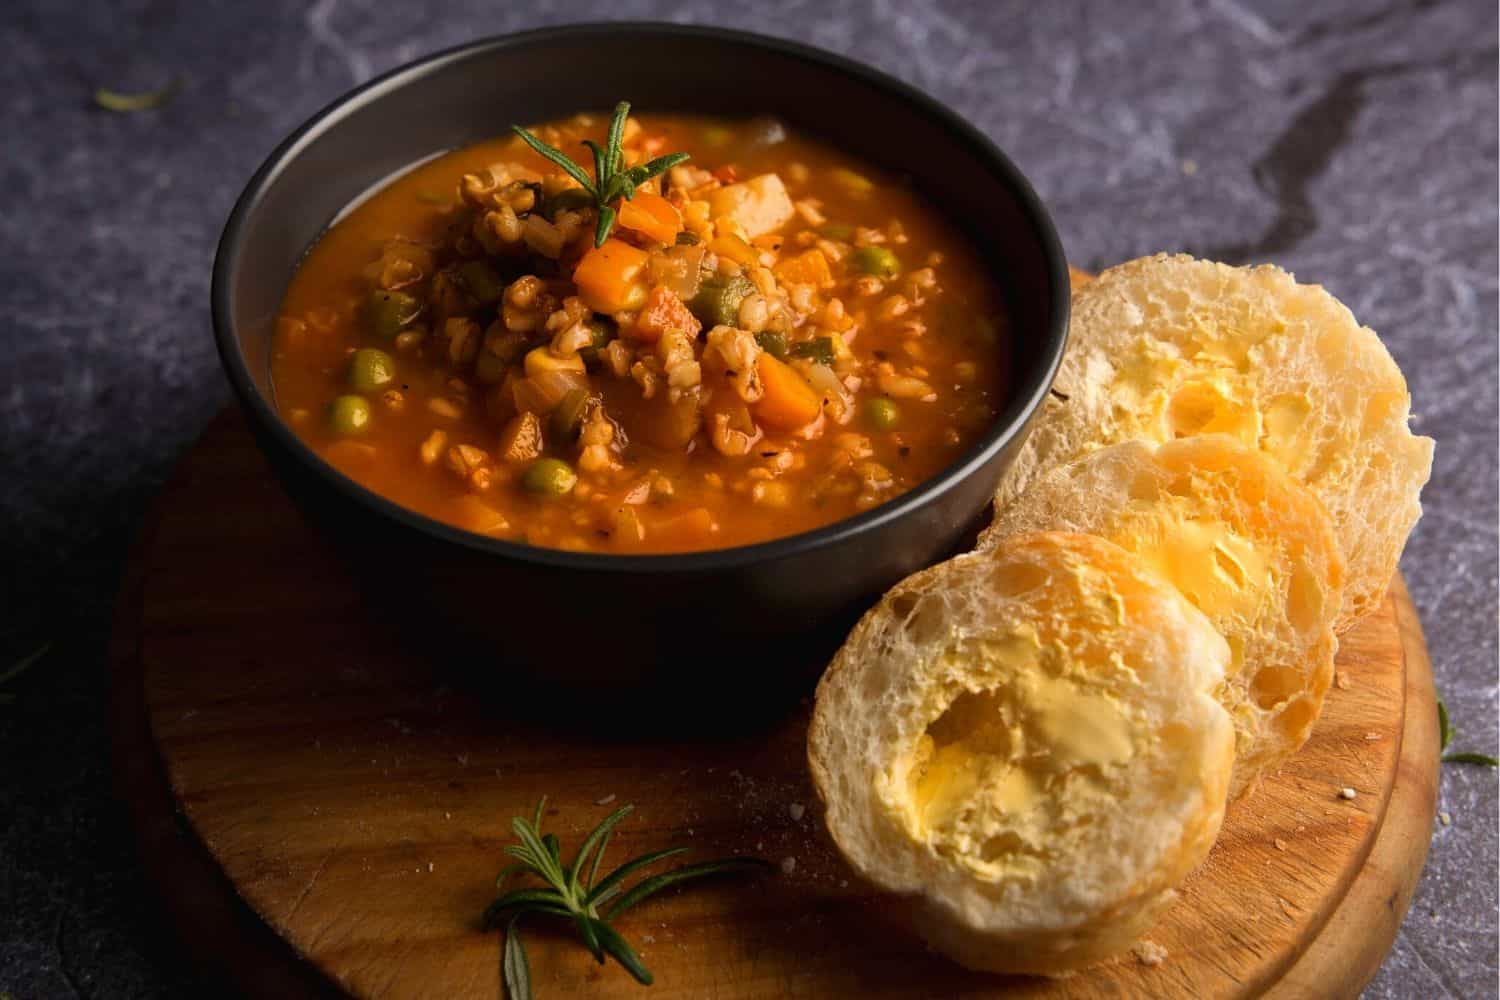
column 1354, row 143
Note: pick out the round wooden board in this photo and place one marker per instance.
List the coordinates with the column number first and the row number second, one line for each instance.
column 355, row 798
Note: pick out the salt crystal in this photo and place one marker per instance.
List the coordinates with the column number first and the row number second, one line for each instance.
column 1347, row 793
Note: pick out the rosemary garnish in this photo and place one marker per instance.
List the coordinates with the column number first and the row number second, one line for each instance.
column 1446, row 733
column 114, row 100
column 573, row 894
column 609, row 181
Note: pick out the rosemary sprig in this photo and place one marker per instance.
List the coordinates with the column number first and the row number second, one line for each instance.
column 1446, row 732
column 123, row 103
column 574, row 892
column 609, row 183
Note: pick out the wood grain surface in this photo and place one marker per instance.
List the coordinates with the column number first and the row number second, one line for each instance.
column 355, row 794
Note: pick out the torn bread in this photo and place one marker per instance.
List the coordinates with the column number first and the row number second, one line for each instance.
column 1168, row 346
column 1024, row 742
column 1250, row 548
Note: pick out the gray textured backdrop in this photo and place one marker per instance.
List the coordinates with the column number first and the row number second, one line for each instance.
column 1352, row 143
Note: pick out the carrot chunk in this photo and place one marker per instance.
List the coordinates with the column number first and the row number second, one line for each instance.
column 787, row 402
column 652, row 216
column 690, row 529
column 810, row 268
column 607, row 277
column 664, row 311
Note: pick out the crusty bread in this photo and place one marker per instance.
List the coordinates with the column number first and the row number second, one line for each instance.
column 1169, row 346
column 1250, row 548
column 1025, row 743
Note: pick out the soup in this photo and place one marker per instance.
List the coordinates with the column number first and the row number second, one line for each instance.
column 763, row 339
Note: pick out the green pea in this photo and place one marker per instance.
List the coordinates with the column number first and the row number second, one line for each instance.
column 836, row 231
column 877, row 261
column 482, row 280
column 773, row 343
column 882, row 413
column 549, row 477
column 718, row 300
column 371, row 369
column 568, row 416
column 392, row 311
column 349, row 415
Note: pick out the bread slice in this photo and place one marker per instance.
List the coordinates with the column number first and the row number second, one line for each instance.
column 1164, row 347
column 1025, row 743
column 1250, row 548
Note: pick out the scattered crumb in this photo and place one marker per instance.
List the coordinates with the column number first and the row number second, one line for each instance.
column 760, row 845
column 690, row 832
column 605, row 801
column 788, row 865
column 1149, row 953
column 648, row 938
column 430, row 866
column 447, row 815
column 463, row 760
column 1341, row 680
column 843, row 883
column 1347, row 793
column 1280, row 844
column 1372, row 737
column 1445, row 818
column 795, row 810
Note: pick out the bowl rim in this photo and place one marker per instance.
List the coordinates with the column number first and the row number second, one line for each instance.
column 228, row 253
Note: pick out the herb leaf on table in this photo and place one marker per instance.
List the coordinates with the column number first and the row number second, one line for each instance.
column 575, row 893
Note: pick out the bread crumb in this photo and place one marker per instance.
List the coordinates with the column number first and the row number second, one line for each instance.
column 1445, row 818
column 788, row 865
column 1149, row 953
column 1347, row 793
column 604, row 801
column 795, row 810
column 1280, row 844
column 1341, row 679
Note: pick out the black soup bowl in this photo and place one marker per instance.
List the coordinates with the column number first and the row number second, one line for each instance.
column 717, row 624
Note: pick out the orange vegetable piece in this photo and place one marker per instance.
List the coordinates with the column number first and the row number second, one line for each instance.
column 607, row 277
column 788, row 402
column 810, row 268
column 664, row 311
column 690, row 529
column 651, row 215
column 735, row 249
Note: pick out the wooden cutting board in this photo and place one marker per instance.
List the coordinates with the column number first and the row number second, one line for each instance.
column 323, row 804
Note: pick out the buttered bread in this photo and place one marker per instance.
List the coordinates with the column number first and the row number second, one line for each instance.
column 1025, row 744
column 1250, row 548
column 1167, row 347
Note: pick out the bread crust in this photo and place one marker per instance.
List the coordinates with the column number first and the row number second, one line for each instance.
column 1168, row 346
column 1245, row 544
column 1024, row 744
